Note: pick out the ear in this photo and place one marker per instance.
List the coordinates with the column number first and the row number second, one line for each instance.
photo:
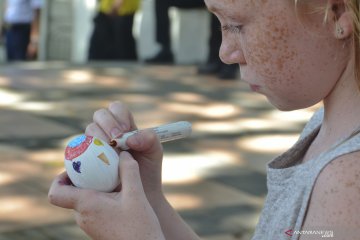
column 343, row 22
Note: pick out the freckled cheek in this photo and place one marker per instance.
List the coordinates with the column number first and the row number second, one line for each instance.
column 262, row 55
column 268, row 54
column 258, row 56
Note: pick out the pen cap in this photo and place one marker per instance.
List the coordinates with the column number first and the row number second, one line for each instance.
column 121, row 142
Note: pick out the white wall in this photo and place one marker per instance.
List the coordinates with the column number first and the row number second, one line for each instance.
column 189, row 33
column 145, row 30
column 84, row 11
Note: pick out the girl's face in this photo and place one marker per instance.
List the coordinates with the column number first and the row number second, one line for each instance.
column 290, row 56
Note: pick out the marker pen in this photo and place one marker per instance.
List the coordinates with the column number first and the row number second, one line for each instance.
column 167, row 132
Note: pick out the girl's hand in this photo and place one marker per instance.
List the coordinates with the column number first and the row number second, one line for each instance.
column 125, row 215
column 145, row 146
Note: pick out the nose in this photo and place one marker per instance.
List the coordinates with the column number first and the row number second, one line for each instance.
column 231, row 52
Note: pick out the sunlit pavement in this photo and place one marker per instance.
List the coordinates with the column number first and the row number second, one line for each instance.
column 215, row 179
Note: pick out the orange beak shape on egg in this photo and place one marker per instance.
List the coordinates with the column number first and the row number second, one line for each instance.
column 103, row 158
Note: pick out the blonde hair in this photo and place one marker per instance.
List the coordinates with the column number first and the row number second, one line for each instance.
column 353, row 6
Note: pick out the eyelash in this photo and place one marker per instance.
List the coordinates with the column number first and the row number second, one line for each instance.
column 231, row 28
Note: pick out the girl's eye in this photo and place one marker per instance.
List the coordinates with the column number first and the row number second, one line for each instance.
column 232, row 28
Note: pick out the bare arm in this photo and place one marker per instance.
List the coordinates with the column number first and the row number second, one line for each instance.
column 172, row 225
column 34, row 35
column 147, row 150
column 35, row 25
column 335, row 197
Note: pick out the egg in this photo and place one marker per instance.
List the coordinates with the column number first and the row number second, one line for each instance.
column 92, row 163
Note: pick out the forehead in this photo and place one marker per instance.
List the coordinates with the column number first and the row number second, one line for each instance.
column 218, row 6
column 254, row 8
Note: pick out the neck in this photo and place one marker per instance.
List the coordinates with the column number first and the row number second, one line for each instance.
column 341, row 108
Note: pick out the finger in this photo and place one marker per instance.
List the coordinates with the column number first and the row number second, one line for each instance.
column 123, row 116
column 118, row 188
column 96, row 131
column 63, row 194
column 107, row 122
column 147, row 143
column 129, row 175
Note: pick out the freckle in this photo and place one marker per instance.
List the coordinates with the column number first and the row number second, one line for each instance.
column 349, row 184
column 333, row 190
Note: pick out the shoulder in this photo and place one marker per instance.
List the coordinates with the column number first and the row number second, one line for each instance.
column 336, row 194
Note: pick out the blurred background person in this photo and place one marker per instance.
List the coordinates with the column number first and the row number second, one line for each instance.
column 21, row 26
column 112, row 38
column 162, row 26
column 214, row 65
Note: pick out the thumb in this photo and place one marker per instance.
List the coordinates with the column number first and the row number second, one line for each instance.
column 130, row 174
column 63, row 194
column 147, row 143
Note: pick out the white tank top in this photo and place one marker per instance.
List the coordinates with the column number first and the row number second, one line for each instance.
column 291, row 182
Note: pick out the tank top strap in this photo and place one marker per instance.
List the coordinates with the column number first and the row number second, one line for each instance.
column 314, row 122
column 342, row 148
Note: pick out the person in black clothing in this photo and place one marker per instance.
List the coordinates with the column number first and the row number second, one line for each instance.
column 112, row 37
column 214, row 65
column 163, row 26
column 165, row 56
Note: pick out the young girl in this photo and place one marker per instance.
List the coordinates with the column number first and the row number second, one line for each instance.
column 296, row 53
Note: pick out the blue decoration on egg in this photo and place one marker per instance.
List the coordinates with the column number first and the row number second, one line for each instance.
column 77, row 141
column 76, row 166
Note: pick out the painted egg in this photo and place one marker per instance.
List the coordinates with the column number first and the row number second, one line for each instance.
column 92, row 164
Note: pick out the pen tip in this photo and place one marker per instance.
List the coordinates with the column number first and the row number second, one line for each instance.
column 112, row 143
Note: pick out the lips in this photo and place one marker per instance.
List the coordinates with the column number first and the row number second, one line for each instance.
column 254, row 87
column 246, row 79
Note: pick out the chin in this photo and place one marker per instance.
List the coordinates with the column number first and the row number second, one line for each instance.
column 290, row 106
column 287, row 108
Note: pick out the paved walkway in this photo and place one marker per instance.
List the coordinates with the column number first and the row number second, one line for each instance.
column 215, row 179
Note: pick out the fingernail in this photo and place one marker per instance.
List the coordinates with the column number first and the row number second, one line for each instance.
column 61, row 182
column 115, row 132
column 65, row 181
column 124, row 127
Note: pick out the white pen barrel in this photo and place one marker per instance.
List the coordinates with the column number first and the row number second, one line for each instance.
column 173, row 131
column 167, row 132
